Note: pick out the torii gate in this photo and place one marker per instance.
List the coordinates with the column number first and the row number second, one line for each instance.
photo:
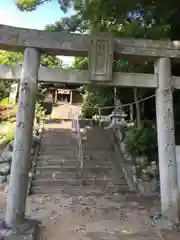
column 101, row 49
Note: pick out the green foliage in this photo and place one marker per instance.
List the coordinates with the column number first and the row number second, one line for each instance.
column 4, row 102
column 39, row 111
column 8, row 133
column 95, row 97
column 13, row 58
column 10, row 58
column 142, row 142
column 29, row 5
column 4, row 89
column 50, row 61
column 80, row 63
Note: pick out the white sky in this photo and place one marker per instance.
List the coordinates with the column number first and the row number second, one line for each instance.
column 10, row 15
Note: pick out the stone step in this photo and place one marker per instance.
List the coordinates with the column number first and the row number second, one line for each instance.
column 100, row 135
column 144, row 235
column 76, row 189
column 52, row 169
column 59, row 152
column 58, row 168
column 56, row 130
column 77, row 182
column 56, row 175
column 102, row 139
column 54, row 182
column 56, row 144
column 97, row 152
column 52, row 157
column 65, row 135
column 61, row 147
column 95, row 158
column 92, row 157
column 58, row 141
column 97, row 148
column 58, row 136
column 87, row 174
column 74, row 163
column 71, row 169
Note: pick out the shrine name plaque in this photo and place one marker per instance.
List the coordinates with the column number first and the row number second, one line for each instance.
column 101, row 51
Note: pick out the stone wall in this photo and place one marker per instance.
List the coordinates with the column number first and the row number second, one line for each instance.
column 6, row 159
column 125, row 162
column 143, row 185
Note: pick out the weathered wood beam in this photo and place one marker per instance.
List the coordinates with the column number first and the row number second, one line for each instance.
column 67, row 44
column 74, row 76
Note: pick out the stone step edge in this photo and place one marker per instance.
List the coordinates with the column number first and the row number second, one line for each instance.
column 77, row 189
column 70, row 167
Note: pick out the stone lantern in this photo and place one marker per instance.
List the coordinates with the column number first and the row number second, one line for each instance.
column 117, row 119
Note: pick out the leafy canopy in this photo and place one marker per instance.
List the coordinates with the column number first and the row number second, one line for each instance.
column 163, row 13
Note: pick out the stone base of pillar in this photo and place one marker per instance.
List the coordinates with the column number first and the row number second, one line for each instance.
column 27, row 230
column 161, row 222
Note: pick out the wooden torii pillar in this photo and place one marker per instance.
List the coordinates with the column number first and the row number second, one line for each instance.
column 17, row 191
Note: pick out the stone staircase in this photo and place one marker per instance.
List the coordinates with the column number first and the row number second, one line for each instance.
column 100, row 166
column 58, row 166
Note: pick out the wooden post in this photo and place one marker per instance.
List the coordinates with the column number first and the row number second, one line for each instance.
column 55, row 98
column 13, row 93
column 70, row 101
column 138, row 115
column 166, row 140
column 17, row 191
column 131, row 112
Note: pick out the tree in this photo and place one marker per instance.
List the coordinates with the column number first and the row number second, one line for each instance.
column 10, row 58
column 50, row 61
column 129, row 19
column 13, row 58
column 159, row 12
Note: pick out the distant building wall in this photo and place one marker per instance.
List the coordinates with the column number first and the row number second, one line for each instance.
column 77, row 97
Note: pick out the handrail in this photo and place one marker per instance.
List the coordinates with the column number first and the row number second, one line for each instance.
column 80, row 148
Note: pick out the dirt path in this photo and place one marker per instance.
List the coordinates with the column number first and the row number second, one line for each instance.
column 90, row 216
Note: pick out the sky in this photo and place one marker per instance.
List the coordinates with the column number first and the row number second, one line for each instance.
column 47, row 13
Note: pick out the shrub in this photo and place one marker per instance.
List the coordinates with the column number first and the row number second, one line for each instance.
column 7, row 132
column 142, row 142
column 4, row 102
column 39, row 111
column 95, row 97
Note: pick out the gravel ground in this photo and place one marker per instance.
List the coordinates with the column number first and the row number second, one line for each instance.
column 90, row 215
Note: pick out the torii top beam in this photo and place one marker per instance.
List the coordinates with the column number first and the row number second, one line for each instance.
column 67, row 44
